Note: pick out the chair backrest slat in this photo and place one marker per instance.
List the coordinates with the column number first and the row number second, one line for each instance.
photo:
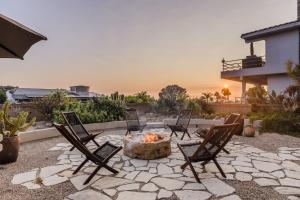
column 217, row 137
column 232, row 118
column 184, row 118
column 132, row 118
column 74, row 141
column 75, row 125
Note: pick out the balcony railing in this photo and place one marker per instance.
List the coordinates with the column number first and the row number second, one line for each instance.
column 249, row 62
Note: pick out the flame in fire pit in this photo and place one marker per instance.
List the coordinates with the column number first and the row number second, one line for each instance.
column 152, row 137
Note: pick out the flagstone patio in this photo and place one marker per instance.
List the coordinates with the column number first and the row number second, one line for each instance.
column 163, row 178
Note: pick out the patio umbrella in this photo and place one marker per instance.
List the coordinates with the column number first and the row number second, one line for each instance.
column 15, row 38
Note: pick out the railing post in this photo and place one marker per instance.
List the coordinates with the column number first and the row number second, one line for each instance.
column 223, row 61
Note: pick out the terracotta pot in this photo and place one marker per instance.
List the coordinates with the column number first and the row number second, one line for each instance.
column 249, row 131
column 10, row 150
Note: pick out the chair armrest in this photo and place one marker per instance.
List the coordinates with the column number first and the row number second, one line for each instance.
column 97, row 133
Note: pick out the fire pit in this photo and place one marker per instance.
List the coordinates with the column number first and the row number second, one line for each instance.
column 147, row 146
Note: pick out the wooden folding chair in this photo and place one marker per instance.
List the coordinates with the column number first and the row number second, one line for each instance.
column 132, row 121
column 78, row 130
column 207, row 150
column 231, row 119
column 100, row 156
column 182, row 123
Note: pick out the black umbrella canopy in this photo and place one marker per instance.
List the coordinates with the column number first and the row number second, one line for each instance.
column 16, row 39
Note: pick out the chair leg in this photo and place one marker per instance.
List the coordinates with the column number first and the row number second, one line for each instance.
column 219, row 167
column 205, row 162
column 92, row 175
column 184, row 165
column 110, row 169
column 188, row 133
column 226, row 151
column 194, row 172
column 127, row 132
column 73, row 147
column 95, row 142
column 173, row 132
column 183, row 135
column 80, row 166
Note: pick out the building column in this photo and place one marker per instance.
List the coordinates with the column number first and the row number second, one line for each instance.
column 244, row 84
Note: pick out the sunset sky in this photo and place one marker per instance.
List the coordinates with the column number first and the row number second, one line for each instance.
column 134, row 45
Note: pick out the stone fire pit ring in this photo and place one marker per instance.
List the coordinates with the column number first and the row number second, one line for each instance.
column 136, row 147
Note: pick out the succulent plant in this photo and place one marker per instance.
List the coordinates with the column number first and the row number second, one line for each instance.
column 10, row 126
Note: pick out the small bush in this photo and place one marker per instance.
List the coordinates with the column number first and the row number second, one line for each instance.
column 199, row 107
column 281, row 122
column 2, row 96
column 139, row 98
column 102, row 109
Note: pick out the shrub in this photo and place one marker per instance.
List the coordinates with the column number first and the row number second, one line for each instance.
column 200, row 107
column 281, row 122
column 139, row 98
column 2, row 96
column 101, row 109
column 49, row 103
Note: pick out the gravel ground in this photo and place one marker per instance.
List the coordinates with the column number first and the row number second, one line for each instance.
column 35, row 154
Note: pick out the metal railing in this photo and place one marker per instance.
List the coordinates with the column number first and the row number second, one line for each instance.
column 235, row 65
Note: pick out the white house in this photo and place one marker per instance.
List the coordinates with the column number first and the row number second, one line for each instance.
column 282, row 43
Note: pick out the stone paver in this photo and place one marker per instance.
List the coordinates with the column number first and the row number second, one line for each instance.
column 217, row 187
column 109, row 182
column 290, row 182
column 79, row 180
column 288, row 190
column 136, row 196
column 190, row 194
column 132, row 186
column 88, row 194
column 266, row 182
column 167, row 183
column 24, row 177
column 266, row 166
column 149, row 187
column 241, row 176
column 54, row 180
column 164, row 194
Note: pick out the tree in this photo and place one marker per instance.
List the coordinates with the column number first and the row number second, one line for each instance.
column 293, row 71
column 3, row 97
column 226, row 92
column 257, row 94
column 293, row 91
column 173, row 97
column 218, row 96
column 207, row 96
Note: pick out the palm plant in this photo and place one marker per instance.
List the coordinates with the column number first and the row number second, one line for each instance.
column 207, row 96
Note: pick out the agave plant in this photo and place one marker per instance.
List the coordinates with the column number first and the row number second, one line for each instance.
column 10, row 126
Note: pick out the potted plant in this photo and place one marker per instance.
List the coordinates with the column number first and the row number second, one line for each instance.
column 9, row 129
column 249, row 130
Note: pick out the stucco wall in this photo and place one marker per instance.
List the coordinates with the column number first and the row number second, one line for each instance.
column 231, row 108
column 281, row 48
column 279, row 83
